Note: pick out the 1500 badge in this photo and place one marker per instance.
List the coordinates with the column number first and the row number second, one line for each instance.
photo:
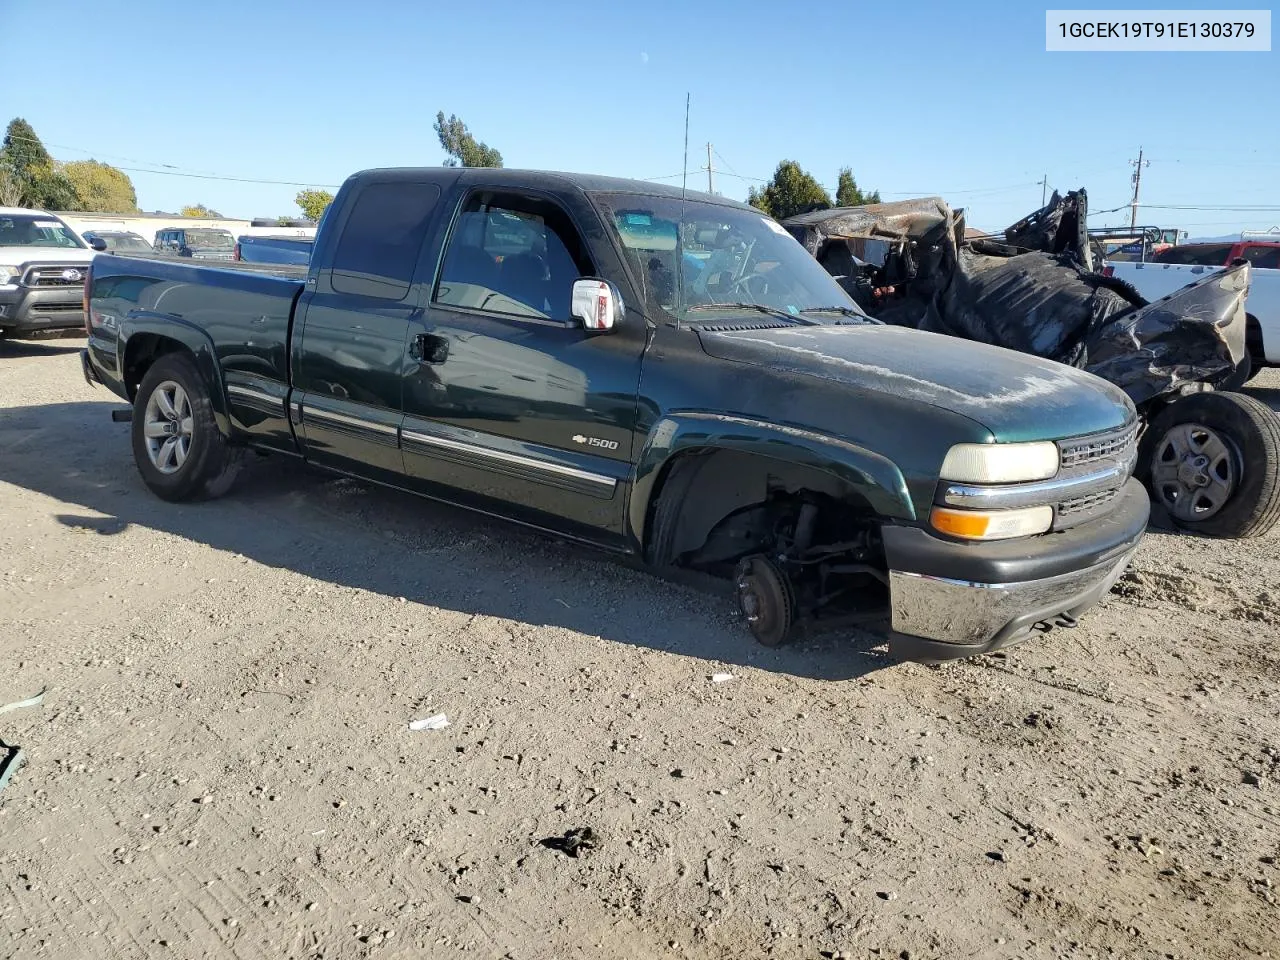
column 596, row 442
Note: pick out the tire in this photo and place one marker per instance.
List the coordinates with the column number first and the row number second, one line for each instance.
column 199, row 462
column 1238, row 439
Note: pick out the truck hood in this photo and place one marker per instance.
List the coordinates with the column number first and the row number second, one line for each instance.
column 18, row 256
column 1015, row 396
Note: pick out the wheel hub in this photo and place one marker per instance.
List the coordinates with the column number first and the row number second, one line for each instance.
column 168, row 426
column 1193, row 471
column 766, row 600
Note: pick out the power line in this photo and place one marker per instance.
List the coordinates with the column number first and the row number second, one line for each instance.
column 204, row 176
column 1233, row 208
column 975, row 190
column 177, row 172
column 111, row 156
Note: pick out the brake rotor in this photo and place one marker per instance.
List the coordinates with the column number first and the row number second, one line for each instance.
column 767, row 600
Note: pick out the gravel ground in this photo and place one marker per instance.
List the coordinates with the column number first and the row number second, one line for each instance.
column 222, row 765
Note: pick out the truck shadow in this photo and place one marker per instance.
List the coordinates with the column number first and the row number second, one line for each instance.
column 40, row 348
column 350, row 534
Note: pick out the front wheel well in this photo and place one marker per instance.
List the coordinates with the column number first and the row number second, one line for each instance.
column 141, row 352
column 700, row 490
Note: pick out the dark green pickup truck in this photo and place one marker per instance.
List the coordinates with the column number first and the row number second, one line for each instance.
column 666, row 376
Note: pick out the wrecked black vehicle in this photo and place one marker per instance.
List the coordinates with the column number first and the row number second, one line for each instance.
column 1209, row 457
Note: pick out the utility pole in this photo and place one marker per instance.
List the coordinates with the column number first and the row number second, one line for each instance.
column 1137, row 185
column 711, row 187
column 1044, row 189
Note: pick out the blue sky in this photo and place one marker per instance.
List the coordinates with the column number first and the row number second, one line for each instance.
column 958, row 99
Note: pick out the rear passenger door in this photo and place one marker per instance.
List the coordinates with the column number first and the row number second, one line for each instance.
column 349, row 359
column 512, row 403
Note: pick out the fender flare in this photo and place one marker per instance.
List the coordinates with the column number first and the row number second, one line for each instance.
column 196, row 341
column 876, row 478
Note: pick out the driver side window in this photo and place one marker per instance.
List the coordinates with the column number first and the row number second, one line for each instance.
column 513, row 255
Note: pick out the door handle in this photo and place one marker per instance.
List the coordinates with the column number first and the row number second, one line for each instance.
column 429, row 348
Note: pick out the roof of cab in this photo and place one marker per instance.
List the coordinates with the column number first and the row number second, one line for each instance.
column 545, row 179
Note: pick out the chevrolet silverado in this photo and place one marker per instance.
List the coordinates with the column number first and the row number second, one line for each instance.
column 663, row 375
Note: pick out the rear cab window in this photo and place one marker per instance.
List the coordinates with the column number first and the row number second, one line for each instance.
column 1263, row 256
column 1196, row 254
column 379, row 245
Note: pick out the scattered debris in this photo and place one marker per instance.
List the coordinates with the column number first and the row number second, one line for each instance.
column 438, row 722
column 574, row 842
column 29, row 702
column 721, row 677
column 10, row 759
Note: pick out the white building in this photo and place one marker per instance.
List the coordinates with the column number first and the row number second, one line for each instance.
column 145, row 225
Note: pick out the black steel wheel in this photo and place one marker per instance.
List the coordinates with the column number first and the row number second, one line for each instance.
column 767, row 600
column 1212, row 461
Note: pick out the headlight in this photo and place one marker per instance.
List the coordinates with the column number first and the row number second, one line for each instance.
column 1000, row 462
column 992, row 524
column 8, row 274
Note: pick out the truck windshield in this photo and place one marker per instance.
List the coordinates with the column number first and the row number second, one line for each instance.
column 719, row 258
column 209, row 240
column 36, row 231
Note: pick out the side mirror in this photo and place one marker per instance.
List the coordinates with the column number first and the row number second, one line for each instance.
column 597, row 303
column 98, row 243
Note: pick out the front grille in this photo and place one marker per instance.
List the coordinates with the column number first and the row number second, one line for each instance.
column 1086, row 504
column 1115, row 445
column 68, row 275
column 58, row 308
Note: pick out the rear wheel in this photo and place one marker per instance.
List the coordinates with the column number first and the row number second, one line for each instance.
column 179, row 450
column 1212, row 461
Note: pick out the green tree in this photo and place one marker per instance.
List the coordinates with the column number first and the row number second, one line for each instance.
column 849, row 195
column 29, row 166
column 791, row 191
column 313, row 203
column 23, row 151
column 463, row 149
column 11, row 188
column 199, row 210
column 49, row 189
column 100, row 187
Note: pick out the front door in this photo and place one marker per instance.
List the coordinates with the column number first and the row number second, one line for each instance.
column 512, row 403
column 349, row 361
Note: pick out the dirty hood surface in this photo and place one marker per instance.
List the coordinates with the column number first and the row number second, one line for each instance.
column 1015, row 396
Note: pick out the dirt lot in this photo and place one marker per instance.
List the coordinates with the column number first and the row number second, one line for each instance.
column 222, row 765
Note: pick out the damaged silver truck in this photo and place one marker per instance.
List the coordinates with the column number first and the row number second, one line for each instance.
column 1209, row 457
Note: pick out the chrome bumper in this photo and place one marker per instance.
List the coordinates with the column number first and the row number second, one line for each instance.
column 936, row 618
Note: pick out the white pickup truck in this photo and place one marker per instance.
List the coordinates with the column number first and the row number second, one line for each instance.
column 1156, row 280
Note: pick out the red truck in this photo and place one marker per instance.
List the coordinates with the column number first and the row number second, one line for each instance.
column 1263, row 254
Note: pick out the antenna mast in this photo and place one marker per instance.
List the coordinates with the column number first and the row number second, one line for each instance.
column 684, row 186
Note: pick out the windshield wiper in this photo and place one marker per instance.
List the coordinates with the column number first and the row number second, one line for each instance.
column 757, row 307
column 846, row 311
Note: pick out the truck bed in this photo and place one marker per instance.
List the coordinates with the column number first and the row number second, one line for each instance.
column 237, row 314
column 1155, row 280
column 287, row 270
